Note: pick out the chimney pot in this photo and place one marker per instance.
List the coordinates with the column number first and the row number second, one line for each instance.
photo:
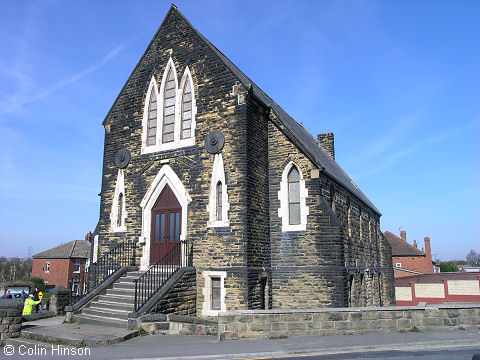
column 403, row 235
column 415, row 244
column 327, row 143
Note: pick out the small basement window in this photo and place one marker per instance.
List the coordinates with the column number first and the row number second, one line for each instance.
column 214, row 292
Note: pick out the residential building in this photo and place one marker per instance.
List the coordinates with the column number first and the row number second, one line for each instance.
column 57, row 266
column 407, row 259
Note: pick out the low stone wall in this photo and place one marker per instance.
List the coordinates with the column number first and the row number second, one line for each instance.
column 346, row 321
column 175, row 324
column 59, row 300
column 10, row 319
column 181, row 298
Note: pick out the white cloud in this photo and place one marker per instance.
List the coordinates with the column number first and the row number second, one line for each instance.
column 22, row 98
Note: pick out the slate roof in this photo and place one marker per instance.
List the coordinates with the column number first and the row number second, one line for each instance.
column 72, row 249
column 296, row 132
column 400, row 247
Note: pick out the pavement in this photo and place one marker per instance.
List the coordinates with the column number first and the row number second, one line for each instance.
column 186, row 347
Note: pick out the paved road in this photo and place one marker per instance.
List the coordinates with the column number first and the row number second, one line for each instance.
column 463, row 353
column 446, row 345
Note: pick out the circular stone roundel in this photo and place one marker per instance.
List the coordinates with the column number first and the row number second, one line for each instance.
column 214, row 142
column 122, row 158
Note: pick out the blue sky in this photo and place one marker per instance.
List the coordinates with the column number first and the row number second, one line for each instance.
column 398, row 82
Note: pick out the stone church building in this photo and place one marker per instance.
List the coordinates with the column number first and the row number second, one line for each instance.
column 196, row 153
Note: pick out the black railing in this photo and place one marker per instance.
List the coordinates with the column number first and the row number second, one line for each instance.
column 83, row 282
column 151, row 281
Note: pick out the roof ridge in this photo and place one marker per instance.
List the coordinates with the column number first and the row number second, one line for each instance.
column 73, row 247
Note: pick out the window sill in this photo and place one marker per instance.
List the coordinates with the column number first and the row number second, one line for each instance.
column 167, row 146
column 118, row 229
column 218, row 224
column 299, row 227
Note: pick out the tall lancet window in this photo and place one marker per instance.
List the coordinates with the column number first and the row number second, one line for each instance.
column 120, row 210
column 294, row 196
column 169, row 108
column 118, row 214
column 186, row 131
column 218, row 207
column 152, row 119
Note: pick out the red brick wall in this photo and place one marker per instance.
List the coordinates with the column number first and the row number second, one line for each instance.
column 416, row 263
column 441, row 278
column 60, row 270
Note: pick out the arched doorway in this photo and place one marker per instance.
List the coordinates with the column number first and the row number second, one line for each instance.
column 165, row 227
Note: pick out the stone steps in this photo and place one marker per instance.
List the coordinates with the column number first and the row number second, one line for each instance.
column 113, row 307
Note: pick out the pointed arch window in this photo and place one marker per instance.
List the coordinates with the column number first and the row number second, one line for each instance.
column 186, row 128
column 169, row 113
column 293, row 196
column 120, row 210
column 218, row 206
column 169, row 108
column 152, row 119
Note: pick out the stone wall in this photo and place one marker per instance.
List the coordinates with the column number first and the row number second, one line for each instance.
column 181, row 299
column 59, row 300
column 10, row 319
column 346, row 321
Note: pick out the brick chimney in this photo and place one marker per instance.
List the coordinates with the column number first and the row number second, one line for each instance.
column 89, row 236
column 415, row 244
column 327, row 143
column 428, row 251
column 403, row 235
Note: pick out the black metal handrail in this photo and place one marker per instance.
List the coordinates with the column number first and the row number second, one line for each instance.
column 151, row 281
column 121, row 255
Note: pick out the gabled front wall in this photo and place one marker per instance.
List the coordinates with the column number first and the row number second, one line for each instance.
column 218, row 248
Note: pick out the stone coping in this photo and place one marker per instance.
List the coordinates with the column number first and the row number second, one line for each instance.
column 38, row 316
column 11, row 303
column 351, row 309
column 191, row 319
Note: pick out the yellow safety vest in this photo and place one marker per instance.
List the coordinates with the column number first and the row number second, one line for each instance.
column 29, row 304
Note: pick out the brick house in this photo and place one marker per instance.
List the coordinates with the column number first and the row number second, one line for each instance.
column 408, row 259
column 196, row 152
column 59, row 264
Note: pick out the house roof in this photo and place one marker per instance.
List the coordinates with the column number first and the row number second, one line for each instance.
column 72, row 249
column 400, row 247
column 296, row 132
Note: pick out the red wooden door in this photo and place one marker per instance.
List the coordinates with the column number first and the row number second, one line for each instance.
column 166, row 225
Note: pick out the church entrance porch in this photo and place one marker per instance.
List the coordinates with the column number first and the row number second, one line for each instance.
column 164, row 220
column 166, row 225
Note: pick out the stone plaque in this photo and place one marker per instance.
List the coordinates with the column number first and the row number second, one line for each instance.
column 122, row 158
column 214, row 142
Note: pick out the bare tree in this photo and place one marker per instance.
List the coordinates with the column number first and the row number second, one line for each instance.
column 473, row 258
